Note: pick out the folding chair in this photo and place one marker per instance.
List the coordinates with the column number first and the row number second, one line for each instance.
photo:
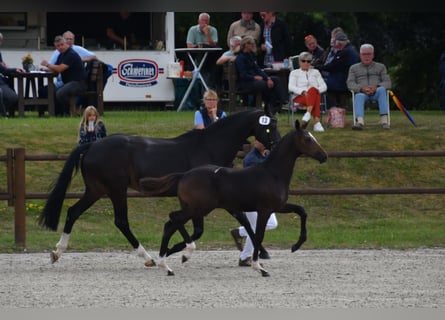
column 354, row 120
column 291, row 111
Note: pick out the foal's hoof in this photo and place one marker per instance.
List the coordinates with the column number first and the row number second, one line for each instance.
column 54, row 256
column 150, row 263
column 184, row 259
column 170, row 273
column 296, row 246
column 264, row 273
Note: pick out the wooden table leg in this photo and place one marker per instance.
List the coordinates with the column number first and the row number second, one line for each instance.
column 51, row 90
column 21, row 102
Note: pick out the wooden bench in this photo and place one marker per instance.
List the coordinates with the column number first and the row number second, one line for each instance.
column 95, row 88
column 228, row 90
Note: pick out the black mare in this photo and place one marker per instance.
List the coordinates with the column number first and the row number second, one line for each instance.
column 112, row 165
column 263, row 188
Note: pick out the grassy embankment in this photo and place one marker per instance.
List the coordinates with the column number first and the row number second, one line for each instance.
column 335, row 221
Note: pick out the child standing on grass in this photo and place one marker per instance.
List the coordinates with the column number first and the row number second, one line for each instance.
column 91, row 127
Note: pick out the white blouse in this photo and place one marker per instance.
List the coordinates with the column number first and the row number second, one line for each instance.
column 300, row 81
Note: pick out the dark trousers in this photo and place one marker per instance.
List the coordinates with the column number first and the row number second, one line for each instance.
column 63, row 96
column 337, row 98
column 273, row 97
column 8, row 99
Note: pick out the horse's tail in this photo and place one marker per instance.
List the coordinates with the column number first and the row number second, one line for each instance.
column 166, row 186
column 49, row 218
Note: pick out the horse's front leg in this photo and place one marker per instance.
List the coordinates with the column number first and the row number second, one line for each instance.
column 242, row 219
column 169, row 230
column 289, row 207
column 119, row 200
column 258, row 239
column 178, row 219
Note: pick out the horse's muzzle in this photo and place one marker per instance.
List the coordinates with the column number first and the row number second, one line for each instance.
column 322, row 157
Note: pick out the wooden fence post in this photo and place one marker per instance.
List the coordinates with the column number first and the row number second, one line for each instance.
column 19, row 201
column 10, row 175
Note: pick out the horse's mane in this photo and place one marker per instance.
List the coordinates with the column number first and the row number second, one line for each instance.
column 234, row 119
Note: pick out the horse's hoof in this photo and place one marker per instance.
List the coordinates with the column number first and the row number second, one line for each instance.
column 170, row 273
column 150, row 263
column 54, row 257
column 184, row 259
column 264, row 273
column 296, row 246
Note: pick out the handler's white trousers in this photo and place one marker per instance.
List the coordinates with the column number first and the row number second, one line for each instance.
column 272, row 223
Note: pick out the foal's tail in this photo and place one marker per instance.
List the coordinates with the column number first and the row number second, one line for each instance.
column 166, row 186
column 49, row 218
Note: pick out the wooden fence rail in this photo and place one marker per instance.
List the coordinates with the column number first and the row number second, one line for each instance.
column 16, row 194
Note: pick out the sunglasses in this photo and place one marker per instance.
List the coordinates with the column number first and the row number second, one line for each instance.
column 307, row 61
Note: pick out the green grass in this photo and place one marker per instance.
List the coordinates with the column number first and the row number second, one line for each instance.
column 335, row 221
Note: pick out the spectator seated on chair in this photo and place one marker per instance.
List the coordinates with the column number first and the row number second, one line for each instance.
column 74, row 76
column 306, row 86
column 337, row 69
column 369, row 81
column 253, row 79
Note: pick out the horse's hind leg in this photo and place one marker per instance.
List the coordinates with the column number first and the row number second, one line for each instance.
column 74, row 212
column 289, row 207
column 170, row 228
column 198, row 230
column 119, row 201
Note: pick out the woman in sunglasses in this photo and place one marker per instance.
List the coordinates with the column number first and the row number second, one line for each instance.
column 307, row 85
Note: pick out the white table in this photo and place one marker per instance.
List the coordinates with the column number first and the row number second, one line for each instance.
column 197, row 68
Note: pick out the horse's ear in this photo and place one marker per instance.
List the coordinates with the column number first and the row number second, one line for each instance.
column 297, row 124
column 267, row 111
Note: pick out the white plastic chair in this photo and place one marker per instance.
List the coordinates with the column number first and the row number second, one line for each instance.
column 354, row 119
column 291, row 111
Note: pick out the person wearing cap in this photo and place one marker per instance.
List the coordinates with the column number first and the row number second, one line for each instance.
column 345, row 55
column 369, row 80
column 330, row 51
